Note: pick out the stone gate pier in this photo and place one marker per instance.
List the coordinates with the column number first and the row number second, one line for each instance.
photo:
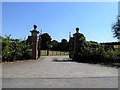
column 76, row 42
column 33, row 41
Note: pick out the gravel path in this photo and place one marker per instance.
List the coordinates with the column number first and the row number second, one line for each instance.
column 48, row 71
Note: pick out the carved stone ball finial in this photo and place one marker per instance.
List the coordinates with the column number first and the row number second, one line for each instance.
column 35, row 26
column 77, row 30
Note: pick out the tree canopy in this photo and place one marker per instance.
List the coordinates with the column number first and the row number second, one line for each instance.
column 45, row 39
column 116, row 29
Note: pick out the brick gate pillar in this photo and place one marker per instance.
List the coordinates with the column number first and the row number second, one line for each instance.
column 76, row 37
column 34, row 40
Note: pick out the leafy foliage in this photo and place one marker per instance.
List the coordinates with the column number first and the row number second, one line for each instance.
column 93, row 52
column 14, row 49
column 63, row 45
column 116, row 29
column 45, row 39
column 60, row 46
column 96, row 53
column 54, row 44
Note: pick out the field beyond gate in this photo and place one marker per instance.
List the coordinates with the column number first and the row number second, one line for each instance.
column 54, row 53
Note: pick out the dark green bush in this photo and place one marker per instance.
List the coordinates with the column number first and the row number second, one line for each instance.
column 15, row 50
column 98, row 54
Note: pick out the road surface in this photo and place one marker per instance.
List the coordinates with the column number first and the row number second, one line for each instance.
column 57, row 72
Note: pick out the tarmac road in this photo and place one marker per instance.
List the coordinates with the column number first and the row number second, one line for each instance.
column 57, row 72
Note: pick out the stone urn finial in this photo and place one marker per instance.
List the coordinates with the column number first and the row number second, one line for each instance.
column 35, row 26
column 77, row 30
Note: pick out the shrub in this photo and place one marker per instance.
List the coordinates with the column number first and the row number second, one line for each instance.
column 98, row 54
column 15, row 49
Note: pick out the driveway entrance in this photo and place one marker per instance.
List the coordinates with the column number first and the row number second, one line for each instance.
column 58, row 72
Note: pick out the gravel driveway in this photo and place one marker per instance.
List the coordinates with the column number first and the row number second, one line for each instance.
column 57, row 72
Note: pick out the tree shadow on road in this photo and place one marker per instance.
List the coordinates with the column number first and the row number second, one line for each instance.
column 63, row 60
column 93, row 63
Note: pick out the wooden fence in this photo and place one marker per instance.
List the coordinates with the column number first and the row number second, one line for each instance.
column 53, row 53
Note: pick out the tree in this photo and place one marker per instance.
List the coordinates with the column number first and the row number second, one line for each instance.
column 116, row 29
column 45, row 39
column 63, row 45
column 54, row 44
